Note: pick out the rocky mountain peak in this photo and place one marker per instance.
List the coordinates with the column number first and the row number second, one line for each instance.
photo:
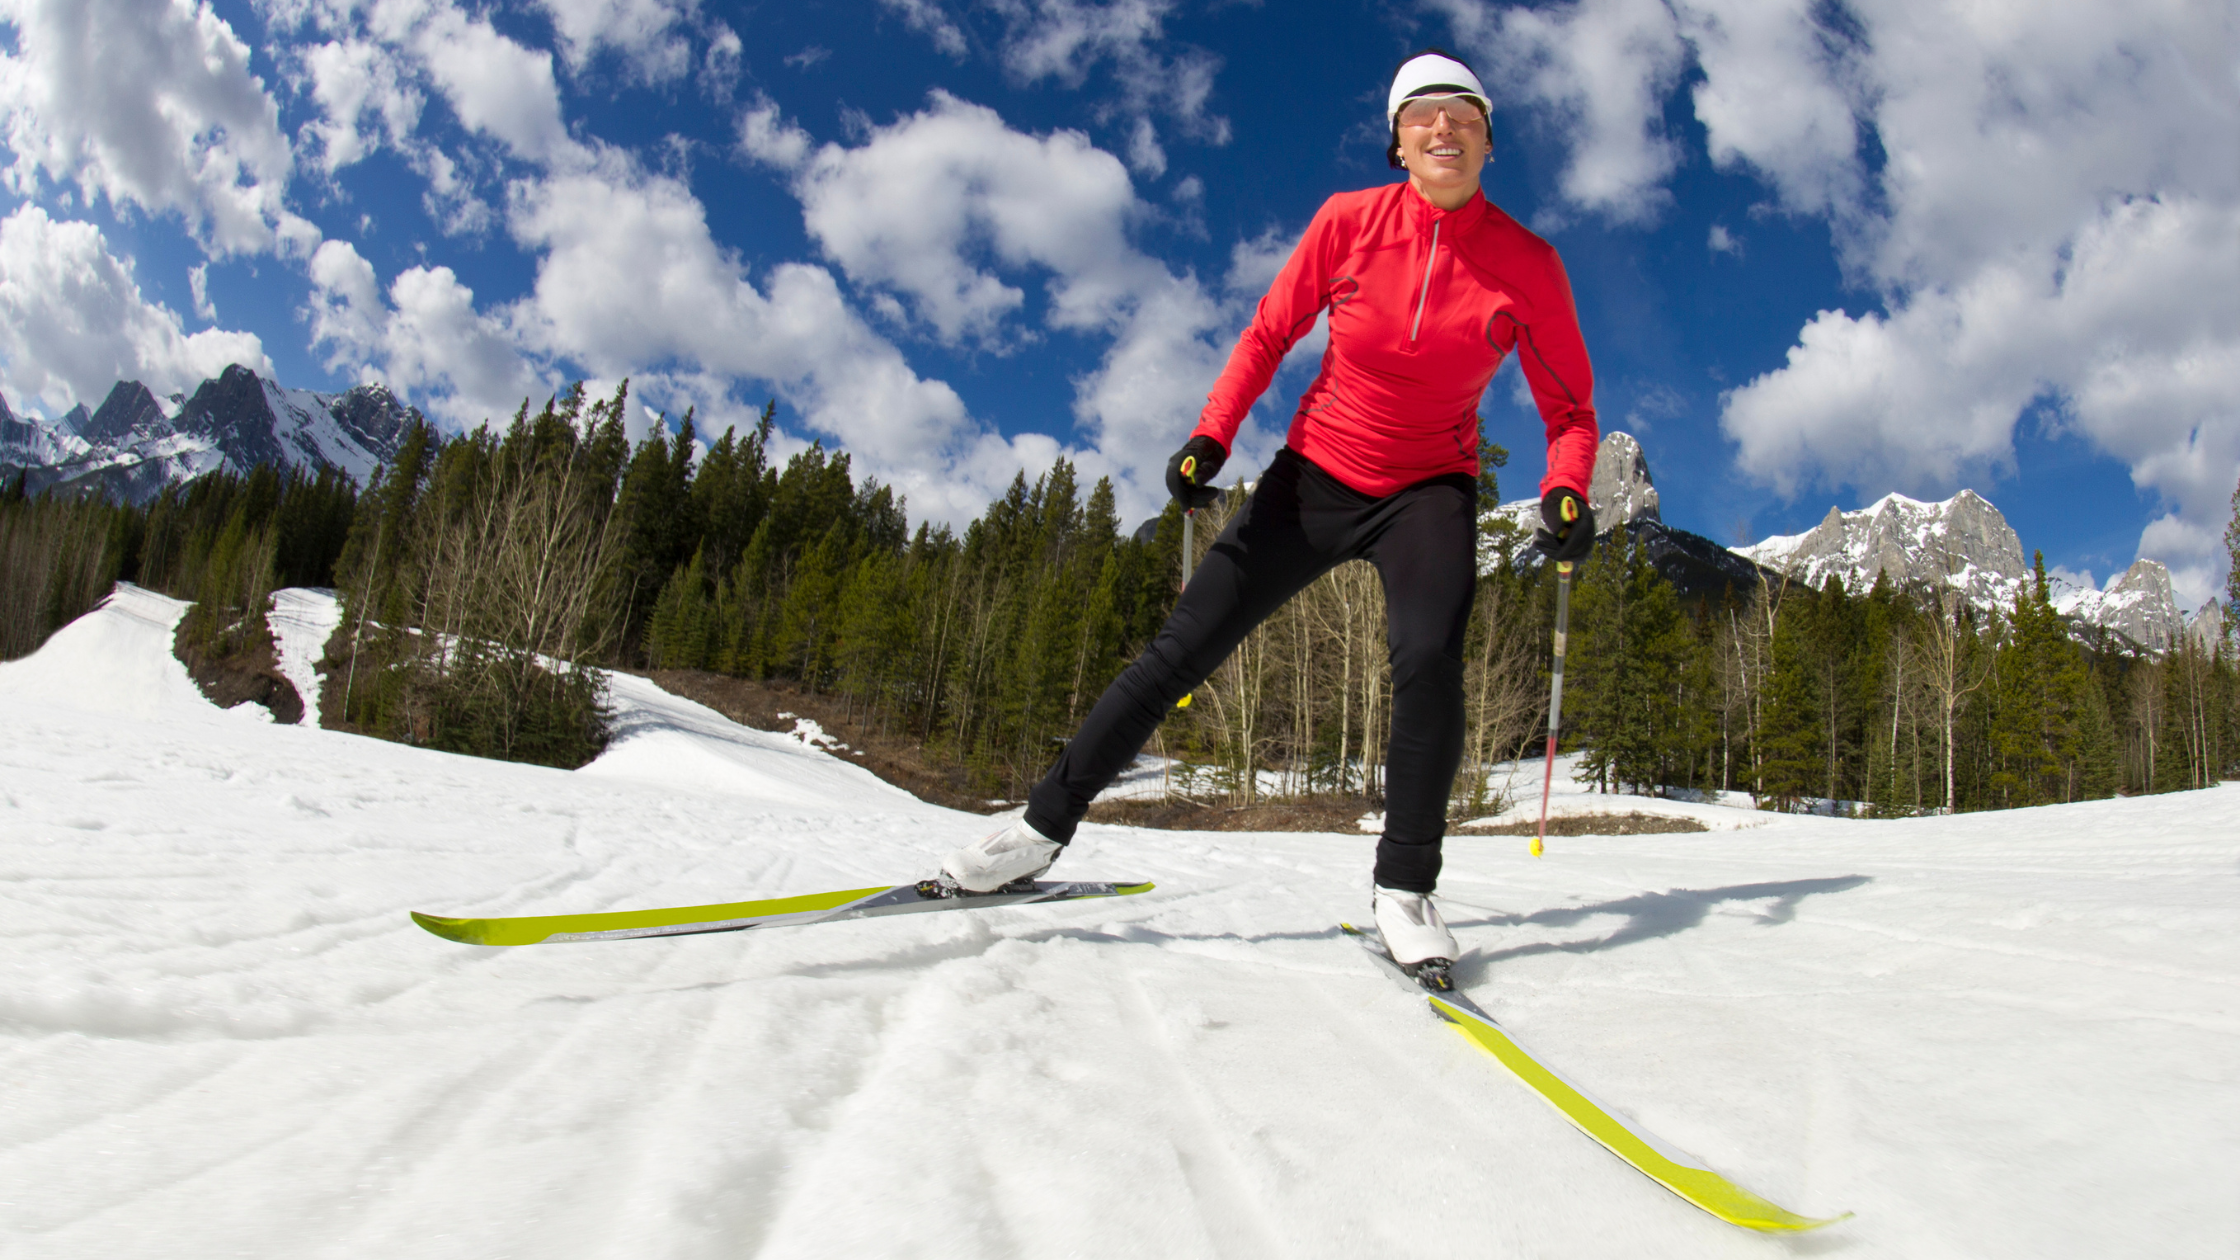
column 1966, row 544
column 133, row 445
column 128, row 410
column 2207, row 627
column 1622, row 493
column 2139, row 605
column 1963, row 542
column 25, row 442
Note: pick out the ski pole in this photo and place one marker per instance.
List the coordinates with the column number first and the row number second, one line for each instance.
column 1189, row 474
column 1187, row 515
column 1555, row 699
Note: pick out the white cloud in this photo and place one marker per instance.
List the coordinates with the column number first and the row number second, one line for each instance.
column 1598, row 72
column 73, row 321
column 2013, row 127
column 951, row 211
column 1721, row 241
column 649, row 35
column 495, row 86
column 933, row 205
column 720, row 65
column 766, row 136
column 927, row 18
column 630, row 282
column 365, row 97
column 1066, row 40
column 423, row 338
column 1778, row 93
column 198, row 283
column 630, row 277
column 370, row 67
column 1144, row 152
column 148, row 103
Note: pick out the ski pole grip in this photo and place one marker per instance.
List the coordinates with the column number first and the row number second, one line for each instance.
column 1190, row 469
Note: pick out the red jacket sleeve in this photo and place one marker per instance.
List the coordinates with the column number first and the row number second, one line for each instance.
column 1299, row 293
column 1554, row 357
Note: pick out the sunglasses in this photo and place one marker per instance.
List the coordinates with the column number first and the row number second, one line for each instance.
column 1423, row 111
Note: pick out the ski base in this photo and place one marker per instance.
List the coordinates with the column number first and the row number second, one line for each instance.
column 1663, row 1163
column 740, row 916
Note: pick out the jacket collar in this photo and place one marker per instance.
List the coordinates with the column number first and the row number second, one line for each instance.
column 1423, row 214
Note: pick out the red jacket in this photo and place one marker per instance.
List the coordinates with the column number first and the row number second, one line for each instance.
column 1424, row 304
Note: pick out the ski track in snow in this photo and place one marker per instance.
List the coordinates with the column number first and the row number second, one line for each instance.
column 2008, row 1034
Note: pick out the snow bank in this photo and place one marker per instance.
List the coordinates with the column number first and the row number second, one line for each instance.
column 661, row 738
column 302, row 620
column 1994, row 1035
column 114, row 660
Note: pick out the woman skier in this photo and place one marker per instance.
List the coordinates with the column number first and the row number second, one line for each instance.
column 1428, row 286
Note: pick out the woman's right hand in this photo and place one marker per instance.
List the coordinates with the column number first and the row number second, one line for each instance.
column 1190, row 472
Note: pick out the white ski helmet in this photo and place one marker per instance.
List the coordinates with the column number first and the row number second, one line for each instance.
column 1432, row 72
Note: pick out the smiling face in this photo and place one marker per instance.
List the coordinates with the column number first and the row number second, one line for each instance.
column 1445, row 153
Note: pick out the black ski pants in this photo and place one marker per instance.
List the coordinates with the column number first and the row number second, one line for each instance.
column 1300, row 523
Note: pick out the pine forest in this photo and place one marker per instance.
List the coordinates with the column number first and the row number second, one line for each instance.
column 482, row 573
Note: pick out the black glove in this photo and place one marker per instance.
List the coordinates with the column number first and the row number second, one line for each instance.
column 1190, row 472
column 1566, row 532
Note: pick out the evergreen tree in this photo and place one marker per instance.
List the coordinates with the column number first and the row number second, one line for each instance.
column 1791, row 739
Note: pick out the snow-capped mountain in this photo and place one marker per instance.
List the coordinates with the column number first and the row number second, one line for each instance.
column 1965, row 543
column 2138, row 605
column 26, row 442
column 135, row 443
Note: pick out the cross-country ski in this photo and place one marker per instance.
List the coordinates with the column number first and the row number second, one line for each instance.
column 1675, row 1170
column 919, row 897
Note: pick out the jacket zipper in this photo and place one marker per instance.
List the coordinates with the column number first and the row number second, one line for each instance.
column 1425, row 293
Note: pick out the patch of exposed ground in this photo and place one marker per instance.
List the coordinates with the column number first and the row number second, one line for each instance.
column 894, row 756
column 248, row 675
column 1631, row 823
column 1314, row 813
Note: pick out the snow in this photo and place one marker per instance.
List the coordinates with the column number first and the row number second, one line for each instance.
column 2008, row 1034
column 1520, row 783
column 302, row 621
column 305, row 421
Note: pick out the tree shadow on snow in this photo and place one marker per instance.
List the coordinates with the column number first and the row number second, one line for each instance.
column 1651, row 915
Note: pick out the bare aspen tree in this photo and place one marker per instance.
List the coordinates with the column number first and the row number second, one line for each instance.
column 1952, row 672
column 1505, row 701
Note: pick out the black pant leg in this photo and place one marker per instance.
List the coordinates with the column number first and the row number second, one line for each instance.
column 1426, row 555
column 1269, row 553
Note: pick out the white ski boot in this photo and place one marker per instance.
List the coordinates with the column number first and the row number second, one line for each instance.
column 1017, row 852
column 1413, row 932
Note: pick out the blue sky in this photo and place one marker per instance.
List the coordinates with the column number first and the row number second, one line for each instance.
column 1822, row 251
